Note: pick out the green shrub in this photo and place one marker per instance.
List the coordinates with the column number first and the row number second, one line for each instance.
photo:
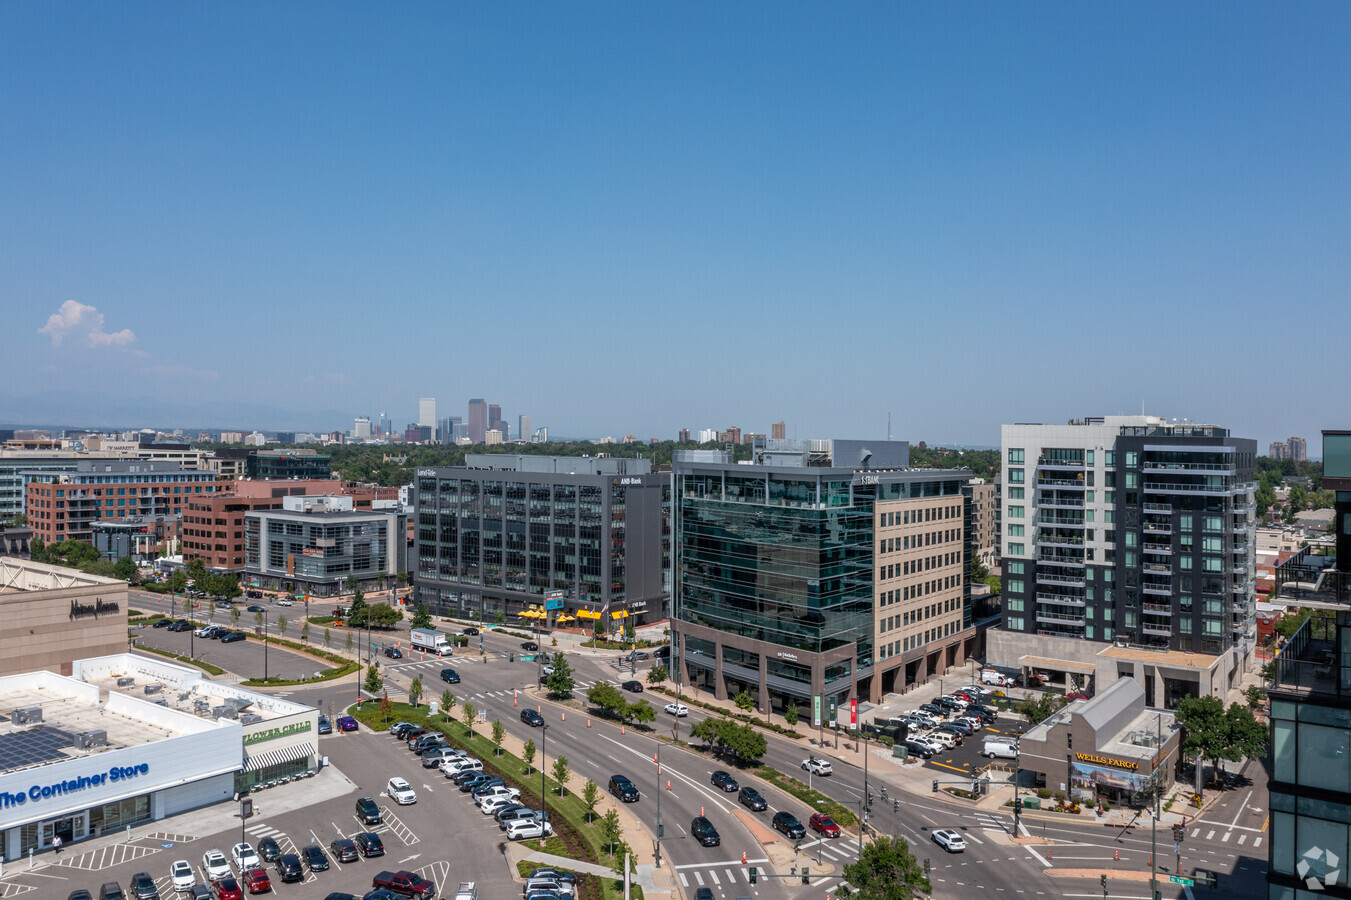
column 1044, row 793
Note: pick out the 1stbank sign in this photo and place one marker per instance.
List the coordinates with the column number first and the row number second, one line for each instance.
column 40, row 792
column 1106, row 761
column 80, row 610
column 269, row 734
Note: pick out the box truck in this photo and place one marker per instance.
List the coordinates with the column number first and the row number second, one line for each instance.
column 429, row 640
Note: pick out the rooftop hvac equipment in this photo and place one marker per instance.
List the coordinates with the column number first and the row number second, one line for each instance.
column 153, row 688
column 88, row 740
column 161, row 702
column 126, row 681
column 250, row 718
column 224, row 712
column 238, row 703
column 201, row 707
column 30, row 716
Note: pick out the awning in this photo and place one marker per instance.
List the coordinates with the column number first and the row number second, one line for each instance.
column 257, row 761
column 1058, row 665
column 587, row 614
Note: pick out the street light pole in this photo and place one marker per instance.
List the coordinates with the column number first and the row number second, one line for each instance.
column 658, row 855
column 1017, row 767
column 543, row 786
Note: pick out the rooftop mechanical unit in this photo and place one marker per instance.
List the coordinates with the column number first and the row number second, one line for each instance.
column 30, row 716
column 224, row 712
column 88, row 740
column 250, row 718
column 153, row 688
column 126, row 681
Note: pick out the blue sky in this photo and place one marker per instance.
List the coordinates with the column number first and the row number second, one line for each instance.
column 626, row 217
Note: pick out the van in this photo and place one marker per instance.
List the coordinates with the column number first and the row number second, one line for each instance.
column 990, row 676
column 1000, row 748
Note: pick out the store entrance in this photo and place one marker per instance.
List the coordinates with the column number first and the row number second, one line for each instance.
column 64, row 828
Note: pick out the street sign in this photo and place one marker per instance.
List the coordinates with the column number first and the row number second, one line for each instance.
column 527, row 658
column 1182, row 879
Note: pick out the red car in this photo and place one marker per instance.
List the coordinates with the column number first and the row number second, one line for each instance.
column 824, row 824
column 257, row 881
column 228, row 889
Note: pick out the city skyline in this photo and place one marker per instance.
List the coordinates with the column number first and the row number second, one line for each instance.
column 620, row 219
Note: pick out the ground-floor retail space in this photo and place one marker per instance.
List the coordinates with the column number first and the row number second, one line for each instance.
column 590, row 612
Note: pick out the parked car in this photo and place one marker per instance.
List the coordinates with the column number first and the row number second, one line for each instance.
column 215, row 865
column 450, row 676
column 624, row 789
column 369, row 843
column 704, row 832
column 427, row 741
column 368, row 812
column 257, row 882
column 824, row 825
column 532, row 718
column 181, row 875
column 269, row 849
column 917, row 749
column 491, row 804
column 343, row 850
column 325, row 725
column 232, row 637
column 525, row 829
column 955, row 730
column 407, row 884
column 961, row 725
column 438, row 755
column 162, row 623
column 400, row 791
column 817, row 766
column 109, row 891
column 788, row 824
column 934, row 710
column 639, row 656
column 180, row 625
column 750, row 798
column 245, row 856
column 288, row 868
column 347, row 723
column 406, row 731
column 315, row 858
column 142, row 887
column 726, row 782
column 678, row 709
column 228, row 889
column 393, row 653
column 949, row 840
column 635, row 687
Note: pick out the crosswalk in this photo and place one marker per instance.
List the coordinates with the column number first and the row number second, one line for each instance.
column 735, row 872
column 1241, row 840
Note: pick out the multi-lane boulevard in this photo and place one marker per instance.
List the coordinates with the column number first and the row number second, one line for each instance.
column 1229, row 840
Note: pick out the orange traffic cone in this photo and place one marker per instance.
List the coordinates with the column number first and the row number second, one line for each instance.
column 743, row 857
column 621, row 729
column 654, row 757
column 588, row 721
column 563, row 716
column 701, row 810
column 1116, row 855
column 668, row 784
column 515, row 699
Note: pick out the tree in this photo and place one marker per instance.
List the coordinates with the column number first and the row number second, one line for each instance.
column 347, row 644
column 887, row 870
column 373, row 682
column 125, row 569
column 607, row 698
column 382, row 615
column 447, row 703
column 234, row 616
column 1255, row 695
column 305, row 631
column 725, row 737
column 657, row 674
column 1040, row 709
column 37, row 550
column 499, row 732
column 1205, row 732
column 328, row 638
column 415, row 690
column 590, row 796
column 196, row 569
column 357, row 610
column 178, row 581
column 258, row 619
column 1247, row 736
column 528, row 754
column 561, row 773
column 640, row 711
column 468, row 713
column 282, row 625
column 610, row 829
column 422, row 617
column 560, row 683
column 744, row 701
column 790, row 714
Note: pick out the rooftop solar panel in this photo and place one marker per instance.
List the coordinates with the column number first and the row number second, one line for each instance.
column 27, row 748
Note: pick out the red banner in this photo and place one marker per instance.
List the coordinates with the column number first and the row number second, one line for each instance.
column 853, row 712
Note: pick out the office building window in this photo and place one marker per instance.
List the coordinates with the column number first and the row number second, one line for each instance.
column 1015, row 476
column 1015, row 512
column 1015, row 493
column 1015, row 549
column 1016, row 456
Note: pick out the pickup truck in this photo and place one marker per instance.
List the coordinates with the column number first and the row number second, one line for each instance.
column 468, row 890
column 408, row 884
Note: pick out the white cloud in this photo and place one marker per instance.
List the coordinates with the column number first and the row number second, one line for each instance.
column 80, row 319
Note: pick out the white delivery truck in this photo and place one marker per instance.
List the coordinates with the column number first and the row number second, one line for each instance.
column 429, row 640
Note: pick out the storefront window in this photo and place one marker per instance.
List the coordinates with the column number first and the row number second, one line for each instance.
column 131, row 811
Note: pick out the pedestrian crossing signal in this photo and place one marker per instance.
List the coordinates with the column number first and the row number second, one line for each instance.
column 806, row 878
column 755, row 874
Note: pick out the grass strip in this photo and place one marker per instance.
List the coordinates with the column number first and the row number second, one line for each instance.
column 843, row 816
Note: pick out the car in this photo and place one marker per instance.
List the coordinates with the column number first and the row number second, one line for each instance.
column 490, row 805
column 205, row 631
column 529, row 645
column 450, row 676
column 82, row 894
column 817, row 766
column 368, row 812
column 547, row 670
column 963, row 726
column 347, row 723
column 469, row 630
column 917, row 749
column 315, row 858
column 750, row 798
column 269, row 849
column 704, row 832
column 788, row 824
column 704, row 893
column 952, row 702
column 224, row 604
column 429, row 741
column 974, row 722
column 955, row 730
column 678, row 709
column 325, row 725
column 182, row 877
column 823, row 825
column 525, row 829
column 949, row 840
column 504, row 812
column 438, row 755
column 377, row 894
column 257, row 882
column 215, row 865
column 111, row 891
column 229, row 889
column 725, row 781
column 201, row 892
column 399, row 729
column 461, row 764
column 944, row 739
column 524, row 815
column 532, row 718
column 179, row 625
column 245, row 856
column 369, row 843
column 285, row 601
column 555, row 874
column 400, row 791
column 408, row 732
column 142, row 887
column 393, row 653
column 162, row 623
column 344, row 850
column 624, row 789
column 470, row 781
column 985, row 713
column 288, row 868
column 635, row 687
column 255, row 608
column 494, row 788
column 934, row 710
column 231, row 637
column 482, row 784
column 639, row 656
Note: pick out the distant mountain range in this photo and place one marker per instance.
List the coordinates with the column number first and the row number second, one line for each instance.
column 56, row 410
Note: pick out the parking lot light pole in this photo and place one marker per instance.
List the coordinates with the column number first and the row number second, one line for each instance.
column 543, row 785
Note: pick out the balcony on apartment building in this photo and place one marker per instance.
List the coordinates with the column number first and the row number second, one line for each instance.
column 1158, row 609
column 1053, row 462
column 1047, row 538
column 1057, row 578
column 1160, row 549
column 1051, row 558
column 1060, row 521
column 1051, row 481
column 1062, row 619
column 1061, row 599
column 1158, row 586
column 1157, row 629
column 1181, row 468
column 1058, row 499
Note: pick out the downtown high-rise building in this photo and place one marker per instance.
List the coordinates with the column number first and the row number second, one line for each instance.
column 478, row 420
column 1130, row 533
column 495, row 421
column 426, row 412
column 523, row 429
column 778, row 431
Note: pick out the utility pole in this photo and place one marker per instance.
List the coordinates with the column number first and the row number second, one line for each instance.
column 1017, row 804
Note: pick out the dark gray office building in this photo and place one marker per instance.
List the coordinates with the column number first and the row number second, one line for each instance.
column 500, row 533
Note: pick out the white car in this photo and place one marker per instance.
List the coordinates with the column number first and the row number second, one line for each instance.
column 245, row 857
column 949, row 840
column 547, row 670
column 182, row 876
column 490, row 805
column 510, row 793
column 285, row 601
column 945, row 738
column 452, row 767
column 400, row 791
column 216, row 865
column 975, row 722
column 524, row 829
column 677, row 709
column 923, row 716
column 817, row 766
column 201, row 632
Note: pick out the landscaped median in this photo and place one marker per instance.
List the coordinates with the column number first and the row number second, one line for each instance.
column 573, row 836
column 341, row 666
column 842, row 815
column 755, row 721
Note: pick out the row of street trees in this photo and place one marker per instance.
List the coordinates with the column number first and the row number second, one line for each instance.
column 742, row 742
column 612, row 702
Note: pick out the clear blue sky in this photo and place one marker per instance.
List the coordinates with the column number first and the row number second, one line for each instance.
column 622, row 217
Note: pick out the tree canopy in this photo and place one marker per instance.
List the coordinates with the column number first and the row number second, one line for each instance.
column 1210, row 732
column 887, row 870
column 561, row 682
column 727, row 738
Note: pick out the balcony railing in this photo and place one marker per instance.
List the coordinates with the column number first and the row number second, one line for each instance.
column 1161, row 487
column 1163, row 508
column 1154, row 466
column 1158, row 548
column 1056, row 578
column 1060, row 618
column 1060, row 599
column 1060, row 521
column 1158, row 609
column 1152, row 587
column 1062, row 540
column 1076, row 483
column 1047, row 462
column 1057, row 559
column 1240, row 587
column 1158, row 567
column 1160, row 630
column 1158, row 527
column 1053, row 502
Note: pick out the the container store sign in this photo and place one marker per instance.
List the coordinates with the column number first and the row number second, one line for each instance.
column 39, row 792
column 270, row 734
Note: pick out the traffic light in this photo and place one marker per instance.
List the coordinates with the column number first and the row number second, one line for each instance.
column 926, row 866
column 755, row 874
column 1178, row 834
column 1102, row 879
column 806, row 878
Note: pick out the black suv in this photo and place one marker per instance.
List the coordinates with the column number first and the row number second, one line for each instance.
column 268, row 849
column 111, row 891
column 531, row 718
column 726, row 782
column 789, row 825
column 624, row 789
column 369, row 843
column 288, row 868
column 143, row 887
column 751, row 799
column 315, row 858
column 450, row 676
column 368, row 813
column 704, row 832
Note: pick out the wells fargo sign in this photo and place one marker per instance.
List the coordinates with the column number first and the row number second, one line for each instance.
column 1106, row 761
